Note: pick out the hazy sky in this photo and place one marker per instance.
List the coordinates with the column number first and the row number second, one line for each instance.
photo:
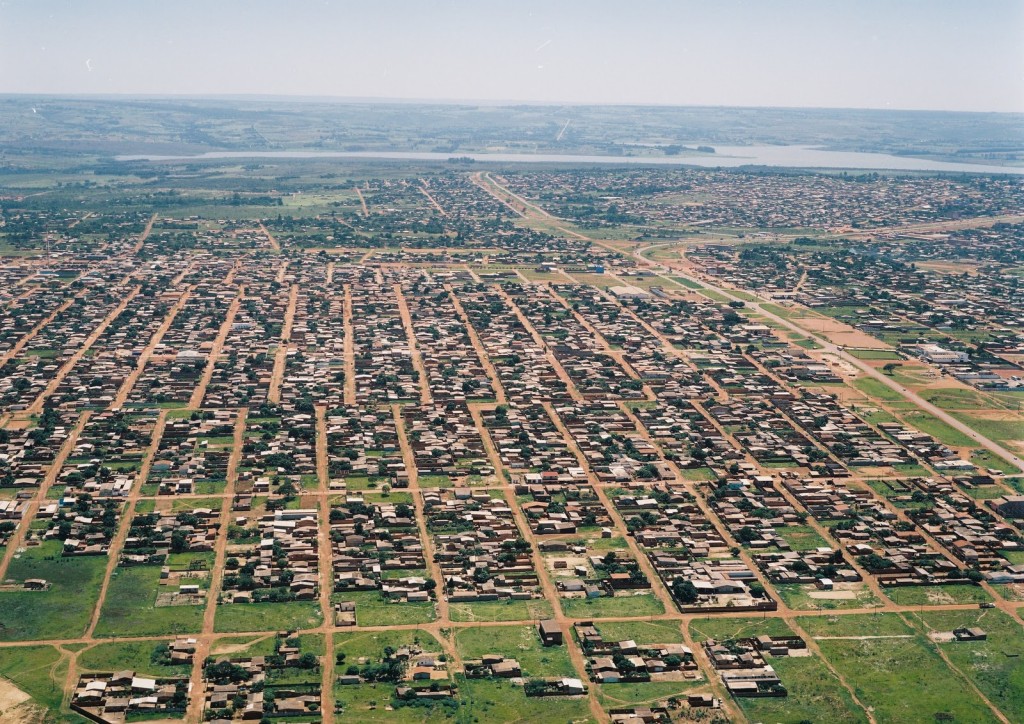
column 921, row 54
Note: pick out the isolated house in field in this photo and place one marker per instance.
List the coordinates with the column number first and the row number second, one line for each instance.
column 550, row 633
column 969, row 634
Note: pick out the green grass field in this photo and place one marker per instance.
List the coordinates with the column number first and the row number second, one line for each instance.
column 937, row 595
column 875, row 389
column 507, row 610
column 875, row 354
column 938, row 429
column 801, row 537
column 992, row 665
column 1000, row 431
column 63, row 611
column 900, row 675
column 986, row 459
column 519, row 642
column 731, row 628
column 233, row 617
column 39, row 671
column 606, row 607
column 617, row 695
column 643, row 632
column 815, row 694
column 373, row 610
column 485, row 700
column 130, row 607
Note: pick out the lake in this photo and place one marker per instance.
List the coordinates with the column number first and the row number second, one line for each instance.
column 724, row 157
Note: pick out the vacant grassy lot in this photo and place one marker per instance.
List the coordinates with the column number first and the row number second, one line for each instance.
column 957, row 398
column 613, row 696
column 643, row 632
column 900, row 675
column 373, row 610
column 499, row 610
column 938, row 429
column 519, row 642
column 937, row 595
column 371, row 644
column 130, row 607
column 875, row 389
column 986, row 459
column 801, row 537
column 698, row 474
column 63, row 611
column 874, row 354
column 992, row 665
column 999, row 430
column 798, row 597
column 36, row 671
column 370, row 703
column 486, row 700
column 815, row 694
column 732, row 628
column 643, row 605
column 255, row 616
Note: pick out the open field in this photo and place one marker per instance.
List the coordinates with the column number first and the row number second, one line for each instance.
column 520, row 642
column 906, row 680
column 61, row 611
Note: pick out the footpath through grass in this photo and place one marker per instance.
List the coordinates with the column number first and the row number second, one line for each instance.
column 895, row 669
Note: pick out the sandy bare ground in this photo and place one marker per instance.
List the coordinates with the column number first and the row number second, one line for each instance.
column 10, row 698
column 24, row 713
column 426, row 192
column 270, row 238
column 838, row 333
column 144, row 235
column 362, row 201
column 949, row 267
column 833, row 595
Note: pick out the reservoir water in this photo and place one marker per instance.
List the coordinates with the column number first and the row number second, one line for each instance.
column 724, row 157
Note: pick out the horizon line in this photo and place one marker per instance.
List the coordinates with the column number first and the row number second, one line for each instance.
column 388, row 100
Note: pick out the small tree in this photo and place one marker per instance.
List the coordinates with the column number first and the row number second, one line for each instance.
column 685, row 591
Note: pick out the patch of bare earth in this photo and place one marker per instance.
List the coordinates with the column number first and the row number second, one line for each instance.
column 16, row 707
column 839, row 333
